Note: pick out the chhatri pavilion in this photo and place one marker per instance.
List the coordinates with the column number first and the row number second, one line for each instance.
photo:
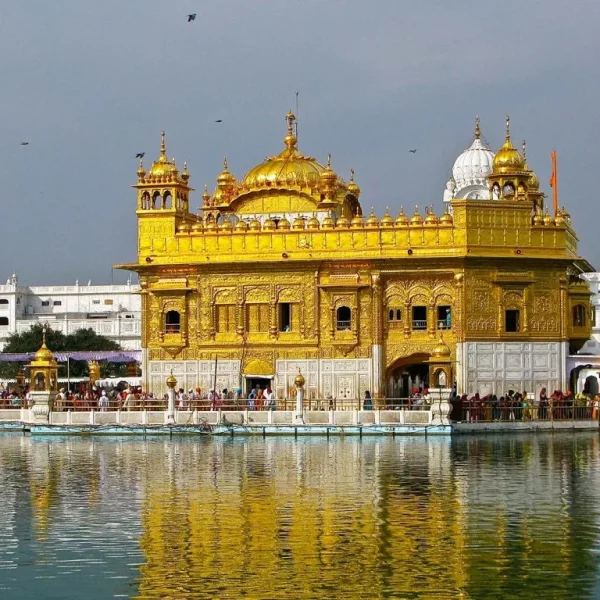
column 281, row 270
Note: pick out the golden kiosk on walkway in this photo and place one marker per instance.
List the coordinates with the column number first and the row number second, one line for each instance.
column 43, row 377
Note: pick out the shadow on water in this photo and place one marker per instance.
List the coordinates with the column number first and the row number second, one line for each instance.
column 467, row 517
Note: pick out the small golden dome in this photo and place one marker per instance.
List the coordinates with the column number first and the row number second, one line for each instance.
column 372, row 221
column 298, row 223
column 416, row 219
column 197, row 227
column 141, row 172
column 446, row 218
column 342, row 222
column 44, row 354
column 313, row 223
column 548, row 220
column 171, row 381
column 328, row 177
column 254, row 225
column 183, row 228
column 224, row 178
column 559, row 220
column 357, row 221
column 211, row 224
column 327, row 223
column 402, row 219
column 386, row 220
column 352, row 187
column 431, row 218
column 538, row 218
column 442, row 350
column 269, row 225
column 533, row 183
column 508, row 159
column 185, row 175
column 162, row 167
column 226, row 225
column 241, row 226
column 206, row 196
column 283, row 224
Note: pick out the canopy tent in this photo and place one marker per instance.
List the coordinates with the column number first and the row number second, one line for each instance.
column 115, row 356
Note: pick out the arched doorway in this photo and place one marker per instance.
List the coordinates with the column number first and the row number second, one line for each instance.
column 407, row 373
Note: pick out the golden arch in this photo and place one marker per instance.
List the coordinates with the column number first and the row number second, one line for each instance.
column 259, row 367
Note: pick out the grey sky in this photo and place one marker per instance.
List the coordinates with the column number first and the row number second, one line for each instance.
column 90, row 84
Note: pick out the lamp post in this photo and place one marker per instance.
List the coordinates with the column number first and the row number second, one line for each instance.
column 171, row 383
column 299, row 382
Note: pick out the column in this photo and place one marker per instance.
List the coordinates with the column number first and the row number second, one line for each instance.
column 377, row 348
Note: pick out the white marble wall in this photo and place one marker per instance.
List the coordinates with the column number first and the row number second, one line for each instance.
column 496, row 367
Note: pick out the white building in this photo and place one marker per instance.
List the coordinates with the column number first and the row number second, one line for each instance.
column 584, row 366
column 113, row 311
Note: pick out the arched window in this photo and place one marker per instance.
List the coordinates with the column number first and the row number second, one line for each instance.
column 167, row 201
column 156, row 199
column 172, row 322
column 394, row 315
column 146, row 203
column 579, row 315
column 343, row 318
column 391, row 315
column 3, row 321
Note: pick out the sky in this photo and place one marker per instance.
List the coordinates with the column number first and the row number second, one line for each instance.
column 90, row 84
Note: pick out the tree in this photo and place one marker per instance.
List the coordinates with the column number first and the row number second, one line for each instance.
column 81, row 341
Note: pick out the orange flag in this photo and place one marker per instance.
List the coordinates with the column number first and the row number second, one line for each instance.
column 554, row 182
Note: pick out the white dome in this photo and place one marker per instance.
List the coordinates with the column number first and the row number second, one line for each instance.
column 473, row 166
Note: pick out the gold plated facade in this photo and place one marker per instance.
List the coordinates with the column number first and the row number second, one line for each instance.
column 281, row 265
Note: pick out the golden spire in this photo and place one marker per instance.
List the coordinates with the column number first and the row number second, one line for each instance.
column 163, row 145
column 351, row 175
column 328, row 161
column 524, row 146
column 508, row 128
column 477, row 128
column 225, row 164
column 290, row 139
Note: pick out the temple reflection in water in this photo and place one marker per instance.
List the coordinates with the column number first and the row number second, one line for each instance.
column 342, row 518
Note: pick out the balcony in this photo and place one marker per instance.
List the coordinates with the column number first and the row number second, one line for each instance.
column 419, row 325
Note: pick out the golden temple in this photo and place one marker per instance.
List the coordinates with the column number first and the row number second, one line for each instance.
column 281, row 271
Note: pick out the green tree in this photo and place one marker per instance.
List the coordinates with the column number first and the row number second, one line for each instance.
column 81, row 341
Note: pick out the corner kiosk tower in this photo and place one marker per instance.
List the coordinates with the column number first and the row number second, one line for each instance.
column 281, row 271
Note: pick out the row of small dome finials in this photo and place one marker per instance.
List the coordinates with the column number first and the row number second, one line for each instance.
column 356, row 222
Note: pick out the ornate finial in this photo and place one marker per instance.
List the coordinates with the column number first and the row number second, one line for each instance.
column 224, row 163
column 351, row 175
column 141, row 163
column 290, row 118
column 185, row 166
column 44, row 336
column 401, row 210
column 477, row 128
column 524, row 146
column 329, row 161
column 507, row 128
column 163, row 145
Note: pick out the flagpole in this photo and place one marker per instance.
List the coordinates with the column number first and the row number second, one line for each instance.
column 554, row 183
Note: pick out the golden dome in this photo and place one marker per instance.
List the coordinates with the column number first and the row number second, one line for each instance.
column 416, row 219
column 141, row 172
column 254, row 225
column 402, row 219
column 269, row 225
column 290, row 167
column 171, row 381
column 225, row 178
column 538, row 218
column 442, row 350
column 386, row 220
column 313, row 223
column 431, row 218
column 241, row 226
column 226, row 225
column 185, row 175
column 206, row 196
column 342, row 222
column 352, row 187
column 299, row 380
column 183, row 228
column 44, row 354
column 357, row 221
column 372, row 221
column 298, row 223
column 197, row 227
column 446, row 218
column 327, row 223
column 162, row 167
column 508, row 159
column 328, row 177
column 211, row 224
column 548, row 220
column 283, row 224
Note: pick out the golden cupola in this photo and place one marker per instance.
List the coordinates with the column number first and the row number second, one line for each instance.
column 508, row 159
column 226, row 186
column 163, row 168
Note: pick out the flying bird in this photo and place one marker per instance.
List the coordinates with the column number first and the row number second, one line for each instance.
column 219, row 121
column 140, row 155
column 24, row 143
column 191, row 17
column 413, row 151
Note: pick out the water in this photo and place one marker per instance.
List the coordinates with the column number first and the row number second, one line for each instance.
column 477, row 517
